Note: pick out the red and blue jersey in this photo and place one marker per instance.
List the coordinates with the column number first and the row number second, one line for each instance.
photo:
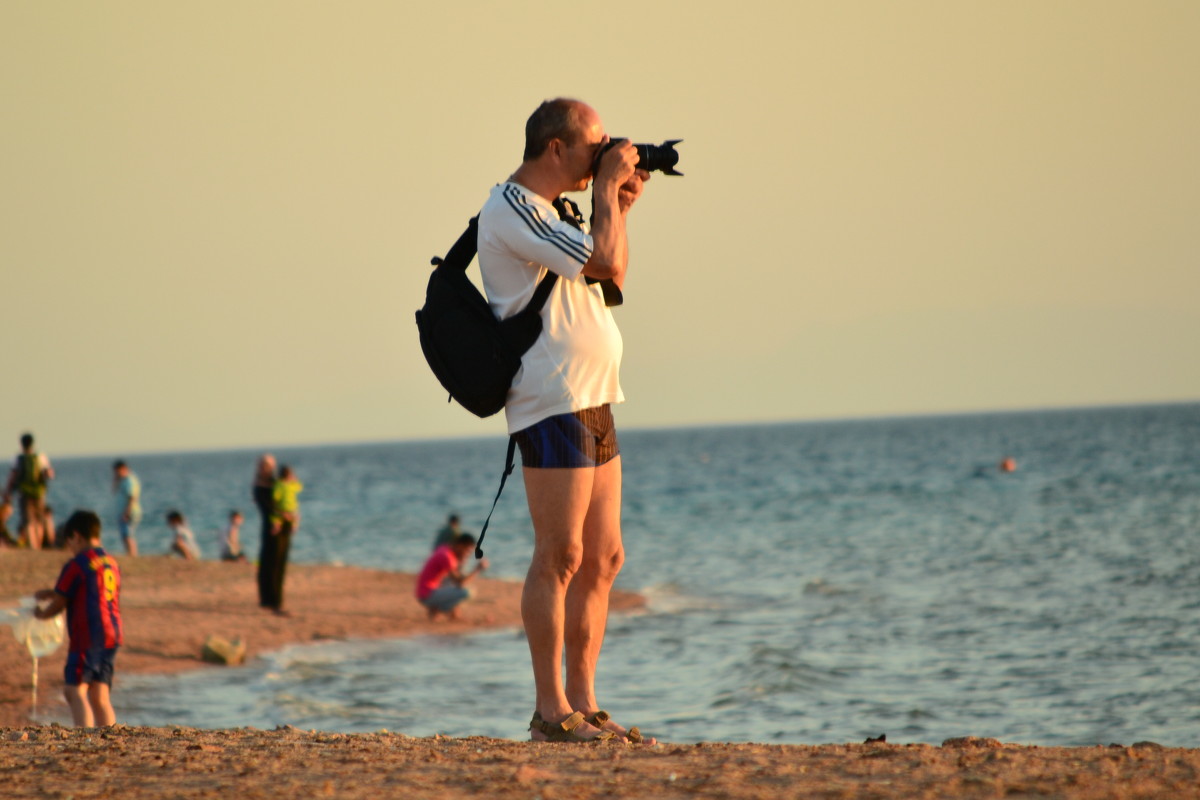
column 91, row 582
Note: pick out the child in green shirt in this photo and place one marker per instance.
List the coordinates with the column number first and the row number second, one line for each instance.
column 285, row 514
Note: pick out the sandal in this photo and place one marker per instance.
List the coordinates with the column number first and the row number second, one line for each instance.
column 633, row 735
column 565, row 730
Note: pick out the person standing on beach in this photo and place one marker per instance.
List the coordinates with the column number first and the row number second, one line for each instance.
column 128, row 490
column 263, row 492
column 30, row 475
column 89, row 589
column 558, row 409
column 285, row 521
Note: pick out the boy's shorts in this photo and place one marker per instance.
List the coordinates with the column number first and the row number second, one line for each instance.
column 128, row 530
column 585, row 438
column 90, row 666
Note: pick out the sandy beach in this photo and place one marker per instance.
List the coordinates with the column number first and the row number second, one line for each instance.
column 171, row 607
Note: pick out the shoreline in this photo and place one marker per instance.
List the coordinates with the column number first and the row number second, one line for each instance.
column 169, row 607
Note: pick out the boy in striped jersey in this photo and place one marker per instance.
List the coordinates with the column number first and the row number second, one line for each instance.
column 89, row 589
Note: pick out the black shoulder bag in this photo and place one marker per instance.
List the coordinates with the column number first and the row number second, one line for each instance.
column 474, row 355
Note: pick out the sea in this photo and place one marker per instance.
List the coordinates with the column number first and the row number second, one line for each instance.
column 807, row 583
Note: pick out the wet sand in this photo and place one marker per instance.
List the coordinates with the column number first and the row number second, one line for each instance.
column 171, row 607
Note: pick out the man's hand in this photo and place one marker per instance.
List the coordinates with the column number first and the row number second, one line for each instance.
column 631, row 190
column 617, row 165
column 616, row 186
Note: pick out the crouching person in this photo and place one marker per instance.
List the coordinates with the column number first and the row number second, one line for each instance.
column 441, row 586
column 89, row 589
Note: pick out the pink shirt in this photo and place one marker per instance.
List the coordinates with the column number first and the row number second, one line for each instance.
column 440, row 564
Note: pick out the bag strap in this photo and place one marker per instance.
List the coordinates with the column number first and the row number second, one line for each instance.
column 568, row 212
column 509, row 463
column 541, row 293
column 462, row 251
column 460, row 256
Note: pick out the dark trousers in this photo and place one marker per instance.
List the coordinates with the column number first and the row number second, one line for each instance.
column 272, row 564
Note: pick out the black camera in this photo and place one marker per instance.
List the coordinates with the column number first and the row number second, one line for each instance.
column 651, row 157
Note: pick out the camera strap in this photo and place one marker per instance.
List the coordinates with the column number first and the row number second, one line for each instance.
column 569, row 212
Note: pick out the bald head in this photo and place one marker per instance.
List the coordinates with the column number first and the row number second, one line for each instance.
column 563, row 119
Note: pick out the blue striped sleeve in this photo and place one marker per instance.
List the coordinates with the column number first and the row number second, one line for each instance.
column 542, row 229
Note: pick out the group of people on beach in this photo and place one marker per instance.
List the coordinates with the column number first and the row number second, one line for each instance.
column 558, row 413
column 88, row 588
column 28, row 484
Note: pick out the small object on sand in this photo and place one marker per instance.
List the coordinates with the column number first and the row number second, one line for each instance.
column 40, row 636
column 880, row 739
column 971, row 743
column 219, row 650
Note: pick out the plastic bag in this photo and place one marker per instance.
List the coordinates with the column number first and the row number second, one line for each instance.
column 40, row 636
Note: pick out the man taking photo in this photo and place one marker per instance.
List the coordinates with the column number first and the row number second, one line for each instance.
column 559, row 406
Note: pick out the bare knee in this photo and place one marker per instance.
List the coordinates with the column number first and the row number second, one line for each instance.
column 557, row 564
column 605, row 566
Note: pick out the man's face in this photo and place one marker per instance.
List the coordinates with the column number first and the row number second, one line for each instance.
column 582, row 154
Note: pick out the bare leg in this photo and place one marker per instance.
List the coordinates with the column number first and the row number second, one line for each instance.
column 558, row 504
column 81, row 710
column 587, row 595
column 101, row 704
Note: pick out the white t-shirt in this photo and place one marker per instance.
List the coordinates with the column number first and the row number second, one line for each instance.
column 575, row 363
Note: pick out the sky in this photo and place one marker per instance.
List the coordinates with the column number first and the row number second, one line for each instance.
column 216, row 218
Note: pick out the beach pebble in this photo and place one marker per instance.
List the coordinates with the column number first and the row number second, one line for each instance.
column 18, row 736
column 970, row 742
column 527, row 773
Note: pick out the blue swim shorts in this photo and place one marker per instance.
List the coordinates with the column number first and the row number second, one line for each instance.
column 585, row 438
column 90, row 666
column 128, row 529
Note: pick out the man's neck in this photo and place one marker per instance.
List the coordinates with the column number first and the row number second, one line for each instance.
column 537, row 180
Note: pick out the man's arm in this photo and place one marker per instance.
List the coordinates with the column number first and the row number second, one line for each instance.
column 611, row 201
